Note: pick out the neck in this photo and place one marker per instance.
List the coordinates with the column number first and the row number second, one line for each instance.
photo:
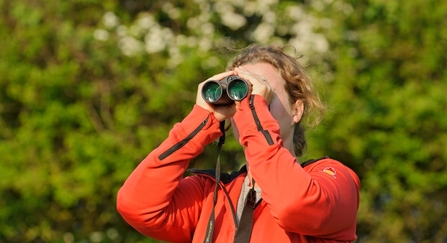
column 288, row 144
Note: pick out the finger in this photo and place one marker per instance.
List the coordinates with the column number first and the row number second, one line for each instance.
column 237, row 104
column 217, row 77
column 221, row 76
column 252, row 77
column 260, row 85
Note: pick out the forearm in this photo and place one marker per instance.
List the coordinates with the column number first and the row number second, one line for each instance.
column 269, row 162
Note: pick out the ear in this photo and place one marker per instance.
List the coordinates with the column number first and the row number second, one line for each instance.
column 297, row 111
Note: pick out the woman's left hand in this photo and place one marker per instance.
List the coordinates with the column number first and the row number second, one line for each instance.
column 260, row 86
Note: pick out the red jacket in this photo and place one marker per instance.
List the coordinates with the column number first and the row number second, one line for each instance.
column 317, row 203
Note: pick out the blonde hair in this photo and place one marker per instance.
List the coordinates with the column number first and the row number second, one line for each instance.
column 298, row 84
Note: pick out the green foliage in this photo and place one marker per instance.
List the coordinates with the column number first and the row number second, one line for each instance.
column 388, row 122
column 90, row 87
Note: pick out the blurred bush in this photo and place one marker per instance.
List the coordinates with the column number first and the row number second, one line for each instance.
column 89, row 88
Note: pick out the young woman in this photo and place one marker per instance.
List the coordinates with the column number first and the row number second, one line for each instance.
column 274, row 198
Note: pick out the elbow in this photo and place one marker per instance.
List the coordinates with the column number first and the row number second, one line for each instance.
column 128, row 211
column 122, row 206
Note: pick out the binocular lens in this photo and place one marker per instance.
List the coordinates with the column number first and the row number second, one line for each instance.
column 212, row 92
column 226, row 91
column 237, row 90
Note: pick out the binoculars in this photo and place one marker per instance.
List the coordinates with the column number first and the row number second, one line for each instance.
column 226, row 91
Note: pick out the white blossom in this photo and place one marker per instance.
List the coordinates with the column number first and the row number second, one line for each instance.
column 233, row 20
column 146, row 21
column 145, row 34
column 263, row 33
column 129, row 46
column 154, row 41
column 101, row 34
column 110, row 20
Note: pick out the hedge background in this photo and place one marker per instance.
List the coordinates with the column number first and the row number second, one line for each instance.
column 88, row 88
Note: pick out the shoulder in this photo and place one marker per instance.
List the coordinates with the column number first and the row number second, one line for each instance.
column 312, row 163
column 331, row 167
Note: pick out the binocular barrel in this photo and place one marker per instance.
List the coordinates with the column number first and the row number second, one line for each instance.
column 226, row 91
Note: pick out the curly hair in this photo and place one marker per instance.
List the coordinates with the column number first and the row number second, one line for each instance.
column 298, row 84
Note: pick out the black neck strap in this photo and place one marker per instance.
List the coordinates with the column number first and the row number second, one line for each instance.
column 245, row 226
column 210, row 227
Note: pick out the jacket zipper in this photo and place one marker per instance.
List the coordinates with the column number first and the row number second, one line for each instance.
column 183, row 142
column 258, row 123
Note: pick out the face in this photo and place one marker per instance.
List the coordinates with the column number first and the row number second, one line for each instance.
column 285, row 113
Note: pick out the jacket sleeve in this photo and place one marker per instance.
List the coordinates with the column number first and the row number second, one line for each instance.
column 154, row 199
column 321, row 201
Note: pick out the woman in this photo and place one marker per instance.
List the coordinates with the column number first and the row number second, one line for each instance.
column 273, row 198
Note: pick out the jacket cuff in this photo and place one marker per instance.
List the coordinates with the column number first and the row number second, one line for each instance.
column 209, row 132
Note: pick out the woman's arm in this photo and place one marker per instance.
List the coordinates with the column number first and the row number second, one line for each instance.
column 155, row 199
column 312, row 202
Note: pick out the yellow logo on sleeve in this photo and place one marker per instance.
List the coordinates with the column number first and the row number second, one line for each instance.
column 330, row 170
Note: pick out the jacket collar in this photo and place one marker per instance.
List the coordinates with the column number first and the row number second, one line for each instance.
column 224, row 177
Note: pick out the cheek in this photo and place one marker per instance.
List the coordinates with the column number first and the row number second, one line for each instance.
column 278, row 111
column 282, row 116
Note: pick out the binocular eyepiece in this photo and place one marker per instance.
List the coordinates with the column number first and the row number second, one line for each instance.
column 226, row 91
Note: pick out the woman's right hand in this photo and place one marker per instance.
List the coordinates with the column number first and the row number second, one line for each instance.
column 221, row 112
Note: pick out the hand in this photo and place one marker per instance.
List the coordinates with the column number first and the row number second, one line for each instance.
column 260, row 86
column 221, row 112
